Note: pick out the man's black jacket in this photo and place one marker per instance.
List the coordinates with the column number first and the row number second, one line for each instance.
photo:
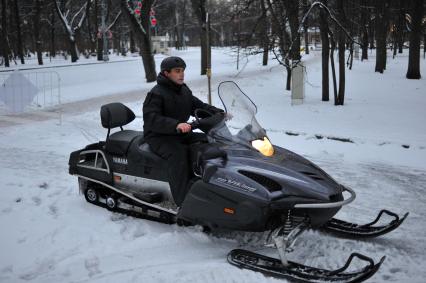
column 167, row 105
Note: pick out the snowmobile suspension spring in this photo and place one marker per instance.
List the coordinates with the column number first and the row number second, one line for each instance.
column 288, row 223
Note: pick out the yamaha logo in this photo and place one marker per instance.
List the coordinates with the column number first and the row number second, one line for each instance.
column 119, row 160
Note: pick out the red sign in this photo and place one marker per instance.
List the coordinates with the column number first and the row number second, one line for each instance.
column 153, row 22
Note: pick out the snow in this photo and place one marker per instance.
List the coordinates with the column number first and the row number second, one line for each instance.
column 51, row 234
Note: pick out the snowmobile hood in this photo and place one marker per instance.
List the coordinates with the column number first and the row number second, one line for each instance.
column 285, row 172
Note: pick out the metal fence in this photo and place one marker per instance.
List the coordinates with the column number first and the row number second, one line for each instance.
column 34, row 92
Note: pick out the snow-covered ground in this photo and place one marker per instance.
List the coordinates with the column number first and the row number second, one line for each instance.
column 49, row 233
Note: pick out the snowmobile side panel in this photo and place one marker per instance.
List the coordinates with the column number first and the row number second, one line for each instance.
column 217, row 207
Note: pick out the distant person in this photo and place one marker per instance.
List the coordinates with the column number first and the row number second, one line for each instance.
column 166, row 110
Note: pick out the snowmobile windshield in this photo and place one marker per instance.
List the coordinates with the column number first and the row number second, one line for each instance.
column 241, row 126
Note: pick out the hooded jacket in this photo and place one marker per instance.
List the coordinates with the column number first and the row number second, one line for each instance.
column 167, row 105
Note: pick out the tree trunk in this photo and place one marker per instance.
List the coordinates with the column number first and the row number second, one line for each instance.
column 19, row 33
column 364, row 32
column 424, row 45
column 284, row 46
column 401, row 20
column 333, row 69
column 5, row 40
column 146, row 50
column 325, row 53
column 293, row 10
column 73, row 50
column 306, row 26
column 265, row 53
column 199, row 8
column 371, row 34
column 92, row 34
column 341, row 38
column 141, row 29
column 288, row 81
column 132, row 42
column 182, row 28
column 36, row 31
column 177, row 31
column 99, row 41
column 52, row 34
column 413, row 71
column 264, row 28
column 381, row 29
column 364, row 47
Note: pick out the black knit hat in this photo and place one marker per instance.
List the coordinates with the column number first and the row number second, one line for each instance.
column 172, row 62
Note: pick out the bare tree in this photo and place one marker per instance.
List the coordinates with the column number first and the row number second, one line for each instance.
column 5, row 40
column 140, row 26
column 70, row 29
column 324, row 31
column 413, row 71
column 264, row 29
column 341, row 45
column 199, row 8
column 19, row 32
column 37, row 27
column 306, row 26
column 52, row 33
column 381, row 24
column 364, row 29
column 401, row 24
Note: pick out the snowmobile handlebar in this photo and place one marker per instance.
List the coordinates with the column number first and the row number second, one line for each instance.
column 330, row 204
column 205, row 123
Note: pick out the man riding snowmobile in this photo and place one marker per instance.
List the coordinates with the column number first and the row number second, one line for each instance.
column 166, row 110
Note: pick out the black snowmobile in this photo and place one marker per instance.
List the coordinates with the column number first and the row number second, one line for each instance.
column 242, row 182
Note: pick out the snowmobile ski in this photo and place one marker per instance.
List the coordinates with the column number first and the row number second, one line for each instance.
column 352, row 230
column 295, row 271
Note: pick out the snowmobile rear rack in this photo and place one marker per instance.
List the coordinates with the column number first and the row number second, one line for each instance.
column 295, row 271
column 357, row 231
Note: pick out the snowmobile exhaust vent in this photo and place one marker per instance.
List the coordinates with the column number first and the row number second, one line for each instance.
column 268, row 183
column 312, row 175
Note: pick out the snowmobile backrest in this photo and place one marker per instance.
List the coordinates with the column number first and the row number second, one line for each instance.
column 116, row 115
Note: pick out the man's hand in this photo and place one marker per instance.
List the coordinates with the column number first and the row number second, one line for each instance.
column 183, row 127
column 228, row 116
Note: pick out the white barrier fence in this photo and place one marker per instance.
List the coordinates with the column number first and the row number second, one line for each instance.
column 33, row 92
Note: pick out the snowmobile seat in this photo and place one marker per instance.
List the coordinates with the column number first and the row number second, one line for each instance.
column 115, row 115
column 119, row 142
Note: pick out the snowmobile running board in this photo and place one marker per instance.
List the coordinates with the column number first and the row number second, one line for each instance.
column 302, row 273
column 350, row 230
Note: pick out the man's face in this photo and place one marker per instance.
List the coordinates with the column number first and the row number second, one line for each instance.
column 177, row 75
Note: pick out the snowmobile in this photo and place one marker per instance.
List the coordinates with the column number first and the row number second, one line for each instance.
column 242, row 183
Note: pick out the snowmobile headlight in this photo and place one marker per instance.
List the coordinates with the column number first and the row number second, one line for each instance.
column 263, row 146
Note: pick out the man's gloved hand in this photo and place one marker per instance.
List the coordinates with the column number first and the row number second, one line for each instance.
column 228, row 116
column 183, row 127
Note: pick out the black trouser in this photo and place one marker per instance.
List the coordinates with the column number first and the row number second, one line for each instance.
column 175, row 149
